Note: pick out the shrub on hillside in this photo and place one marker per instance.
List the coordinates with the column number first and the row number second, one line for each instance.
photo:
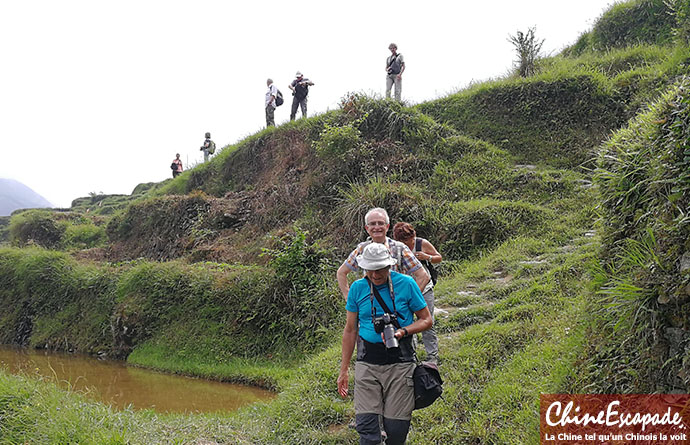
column 305, row 304
column 36, row 226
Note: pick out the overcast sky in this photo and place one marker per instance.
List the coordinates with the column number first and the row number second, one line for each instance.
column 98, row 96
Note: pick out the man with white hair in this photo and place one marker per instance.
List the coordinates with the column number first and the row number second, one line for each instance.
column 376, row 223
column 271, row 104
column 381, row 310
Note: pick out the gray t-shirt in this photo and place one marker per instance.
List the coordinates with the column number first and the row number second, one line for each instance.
column 395, row 63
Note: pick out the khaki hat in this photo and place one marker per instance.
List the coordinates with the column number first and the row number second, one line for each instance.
column 374, row 257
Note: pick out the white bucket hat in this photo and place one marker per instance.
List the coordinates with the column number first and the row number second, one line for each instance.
column 374, row 257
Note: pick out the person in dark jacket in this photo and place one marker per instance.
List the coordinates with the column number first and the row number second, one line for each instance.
column 300, row 90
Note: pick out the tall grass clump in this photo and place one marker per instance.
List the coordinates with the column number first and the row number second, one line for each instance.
column 645, row 191
column 528, row 49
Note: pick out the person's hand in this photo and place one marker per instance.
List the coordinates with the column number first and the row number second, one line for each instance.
column 423, row 256
column 343, row 380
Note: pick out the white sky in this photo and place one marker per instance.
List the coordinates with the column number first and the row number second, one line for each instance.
column 98, row 96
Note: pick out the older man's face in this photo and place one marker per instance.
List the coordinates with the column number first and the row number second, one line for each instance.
column 377, row 227
column 378, row 277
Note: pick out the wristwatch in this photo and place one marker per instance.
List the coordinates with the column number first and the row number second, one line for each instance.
column 405, row 331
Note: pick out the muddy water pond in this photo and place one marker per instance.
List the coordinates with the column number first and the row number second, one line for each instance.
column 119, row 385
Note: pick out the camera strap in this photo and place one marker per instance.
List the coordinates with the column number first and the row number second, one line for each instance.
column 375, row 293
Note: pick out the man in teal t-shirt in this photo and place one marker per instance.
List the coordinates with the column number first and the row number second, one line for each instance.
column 382, row 374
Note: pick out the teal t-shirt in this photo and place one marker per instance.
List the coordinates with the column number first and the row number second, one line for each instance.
column 408, row 300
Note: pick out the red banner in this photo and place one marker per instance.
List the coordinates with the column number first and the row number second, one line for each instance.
column 615, row 419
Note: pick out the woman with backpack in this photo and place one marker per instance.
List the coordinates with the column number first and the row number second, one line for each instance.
column 427, row 254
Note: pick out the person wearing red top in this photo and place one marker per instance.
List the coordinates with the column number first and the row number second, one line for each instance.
column 176, row 165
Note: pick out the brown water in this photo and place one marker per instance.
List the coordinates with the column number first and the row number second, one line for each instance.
column 119, row 385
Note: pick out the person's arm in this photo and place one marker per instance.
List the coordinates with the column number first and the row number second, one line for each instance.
column 411, row 266
column 341, row 275
column 292, row 85
column 429, row 253
column 421, row 278
column 422, row 323
column 402, row 69
column 349, row 340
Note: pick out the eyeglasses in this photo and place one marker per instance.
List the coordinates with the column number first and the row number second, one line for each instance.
column 377, row 223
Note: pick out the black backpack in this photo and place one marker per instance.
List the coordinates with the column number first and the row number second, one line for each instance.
column 432, row 271
column 428, row 385
column 279, row 98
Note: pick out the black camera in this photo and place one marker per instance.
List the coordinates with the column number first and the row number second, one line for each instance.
column 387, row 324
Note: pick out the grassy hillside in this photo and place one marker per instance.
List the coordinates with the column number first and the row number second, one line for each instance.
column 227, row 271
column 644, row 280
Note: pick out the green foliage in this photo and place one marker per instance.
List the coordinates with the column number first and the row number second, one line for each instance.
column 57, row 230
column 336, row 141
column 645, row 191
column 101, row 204
column 462, row 227
column 4, row 229
column 35, row 226
column 303, row 275
column 630, row 23
column 553, row 118
column 681, row 10
column 84, row 236
column 401, row 201
column 164, row 227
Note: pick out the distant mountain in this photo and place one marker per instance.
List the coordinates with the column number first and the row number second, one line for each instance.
column 15, row 195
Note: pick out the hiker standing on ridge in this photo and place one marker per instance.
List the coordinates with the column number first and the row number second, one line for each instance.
column 395, row 66
column 209, row 147
column 271, row 104
column 380, row 319
column 428, row 255
column 176, row 165
column 376, row 223
column 300, row 90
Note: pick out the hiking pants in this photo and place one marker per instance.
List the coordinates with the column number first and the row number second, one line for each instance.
column 429, row 337
column 270, row 116
column 383, row 390
column 302, row 104
column 392, row 79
